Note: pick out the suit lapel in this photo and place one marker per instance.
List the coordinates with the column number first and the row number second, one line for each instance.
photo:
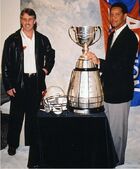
column 21, row 49
column 36, row 49
column 120, row 36
column 109, row 42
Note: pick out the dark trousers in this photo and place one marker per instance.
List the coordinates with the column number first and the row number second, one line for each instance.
column 26, row 102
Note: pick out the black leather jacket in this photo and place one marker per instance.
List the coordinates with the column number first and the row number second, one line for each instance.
column 13, row 59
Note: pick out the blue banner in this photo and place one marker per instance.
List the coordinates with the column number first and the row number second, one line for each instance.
column 136, row 98
column 129, row 3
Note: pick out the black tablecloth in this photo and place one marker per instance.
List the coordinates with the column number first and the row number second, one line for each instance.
column 73, row 141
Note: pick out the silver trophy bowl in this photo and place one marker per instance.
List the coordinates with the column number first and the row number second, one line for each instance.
column 84, row 35
column 85, row 94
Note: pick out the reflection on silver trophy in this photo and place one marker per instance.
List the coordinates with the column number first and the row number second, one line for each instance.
column 85, row 94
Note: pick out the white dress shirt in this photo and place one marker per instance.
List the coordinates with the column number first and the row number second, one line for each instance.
column 29, row 53
column 116, row 33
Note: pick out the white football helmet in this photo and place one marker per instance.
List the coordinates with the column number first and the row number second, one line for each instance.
column 55, row 100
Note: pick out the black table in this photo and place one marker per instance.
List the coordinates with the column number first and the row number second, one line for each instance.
column 73, row 141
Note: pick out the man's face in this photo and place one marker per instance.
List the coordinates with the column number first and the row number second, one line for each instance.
column 117, row 17
column 27, row 22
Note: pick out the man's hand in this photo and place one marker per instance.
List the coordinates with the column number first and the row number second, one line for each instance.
column 44, row 93
column 45, row 70
column 11, row 92
column 91, row 56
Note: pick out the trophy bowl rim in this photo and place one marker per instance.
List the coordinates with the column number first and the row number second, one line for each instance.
column 85, row 26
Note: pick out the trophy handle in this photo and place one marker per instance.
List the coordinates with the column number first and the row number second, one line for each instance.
column 96, row 28
column 69, row 32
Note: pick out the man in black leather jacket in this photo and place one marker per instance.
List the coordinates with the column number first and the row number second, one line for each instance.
column 27, row 58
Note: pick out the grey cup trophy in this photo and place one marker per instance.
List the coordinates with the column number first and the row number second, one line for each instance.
column 85, row 94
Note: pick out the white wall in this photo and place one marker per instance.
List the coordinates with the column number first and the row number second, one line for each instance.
column 9, row 20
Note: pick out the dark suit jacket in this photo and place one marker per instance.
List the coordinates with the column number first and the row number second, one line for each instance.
column 13, row 59
column 117, row 69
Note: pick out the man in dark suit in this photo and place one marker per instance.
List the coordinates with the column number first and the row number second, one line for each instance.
column 117, row 76
column 27, row 58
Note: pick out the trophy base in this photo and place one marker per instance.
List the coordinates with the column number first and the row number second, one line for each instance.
column 86, row 111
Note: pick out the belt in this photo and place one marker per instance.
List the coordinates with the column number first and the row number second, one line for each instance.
column 29, row 75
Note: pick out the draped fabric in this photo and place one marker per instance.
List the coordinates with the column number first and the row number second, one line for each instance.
column 133, row 21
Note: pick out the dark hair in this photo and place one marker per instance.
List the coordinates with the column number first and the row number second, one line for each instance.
column 30, row 12
column 121, row 5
